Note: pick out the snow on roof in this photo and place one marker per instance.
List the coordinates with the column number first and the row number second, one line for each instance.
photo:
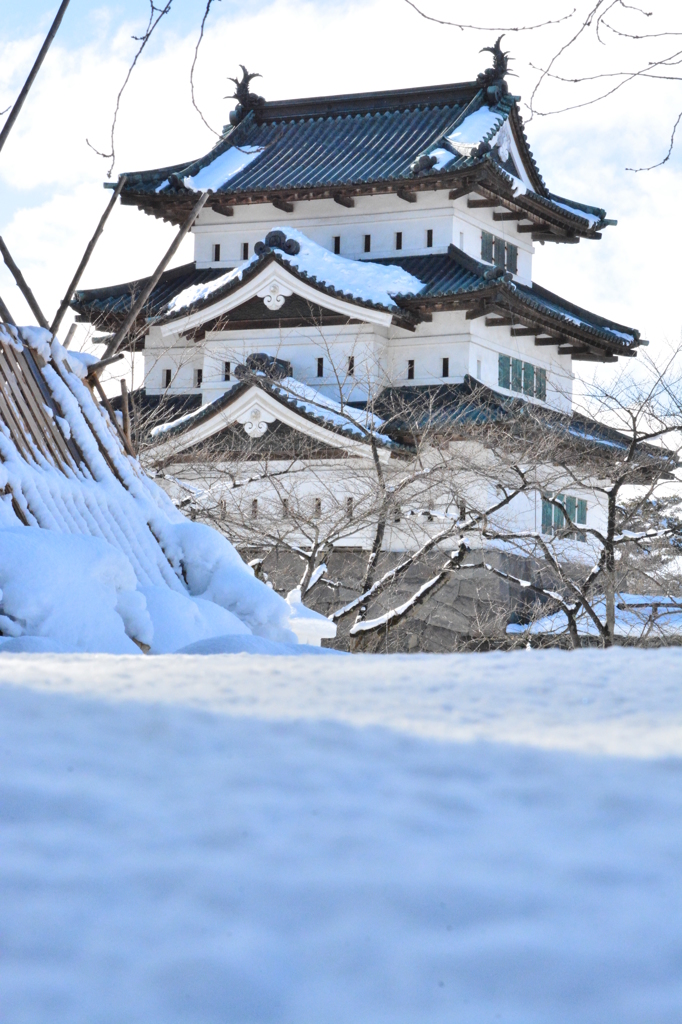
column 591, row 218
column 474, row 129
column 95, row 556
column 368, row 282
column 361, row 422
column 221, row 170
column 197, row 292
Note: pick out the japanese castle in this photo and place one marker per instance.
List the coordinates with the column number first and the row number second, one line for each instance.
column 354, row 248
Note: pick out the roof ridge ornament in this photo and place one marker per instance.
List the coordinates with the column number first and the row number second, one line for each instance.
column 277, row 240
column 246, row 100
column 493, row 79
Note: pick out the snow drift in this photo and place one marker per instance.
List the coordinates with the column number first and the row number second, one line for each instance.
column 93, row 555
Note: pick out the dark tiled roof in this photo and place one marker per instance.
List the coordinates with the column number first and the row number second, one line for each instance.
column 116, row 300
column 367, row 140
column 454, row 276
column 409, row 410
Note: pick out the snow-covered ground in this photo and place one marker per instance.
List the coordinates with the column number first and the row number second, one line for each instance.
column 235, row 839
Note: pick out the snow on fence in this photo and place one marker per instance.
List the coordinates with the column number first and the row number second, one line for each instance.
column 93, row 555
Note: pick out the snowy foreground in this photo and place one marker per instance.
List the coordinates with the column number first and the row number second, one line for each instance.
column 233, row 839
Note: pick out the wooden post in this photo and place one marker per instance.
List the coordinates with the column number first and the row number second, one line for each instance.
column 5, row 313
column 69, row 336
column 125, row 406
column 26, row 291
column 86, row 257
column 120, row 336
column 19, row 102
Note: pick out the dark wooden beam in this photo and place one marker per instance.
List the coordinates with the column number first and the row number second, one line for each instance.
column 479, row 204
column 510, row 216
column 474, row 314
column 19, row 102
column 500, row 321
column 280, row 204
column 23, row 286
column 408, row 197
column 524, row 332
column 566, row 239
column 525, row 229
column 458, row 193
column 346, row 201
column 550, row 341
column 223, row 208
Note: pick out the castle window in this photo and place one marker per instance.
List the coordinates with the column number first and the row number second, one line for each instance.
column 245, row 250
column 216, row 253
column 398, row 239
column 349, row 508
column 337, row 244
column 227, row 371
column 285, row 508
column 496, row 250
column 516, row 375
column 198, row 377
column 429, row 238
column 317, row 507
column 254, row 508
column 478, row 369
column 410, row 369
column 167, row 378
column 446, row 366
column 368, row 243
column 320, row 366
column 351, row 366
column 554, row 519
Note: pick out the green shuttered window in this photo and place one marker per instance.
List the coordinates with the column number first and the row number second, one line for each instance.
column 503, row 364
column 498, row 252
column 541, row 383
column 528, row 379
column 581, row 518
column 512, row 258
column 486, row 247
column 546, row 516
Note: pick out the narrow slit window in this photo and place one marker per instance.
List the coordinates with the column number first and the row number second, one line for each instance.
column 245, row 250
column 410, row 369
column 167, row 378
column 503, row 371
column 320, row 366
column 461, row 240
column 198, row 377
column 462, row 510
column 227, row 371
column 285, row 508
column 349, row 508
column 398, row 239
column 254, row 508
column 216, row 253
column 317, row 508
column 351, row 366
column 429, row 238
column 446, row 366
column 478, row 369
column 337, row 245
column 368, row 243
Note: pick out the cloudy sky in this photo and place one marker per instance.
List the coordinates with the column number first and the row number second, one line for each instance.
column 51, row 191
